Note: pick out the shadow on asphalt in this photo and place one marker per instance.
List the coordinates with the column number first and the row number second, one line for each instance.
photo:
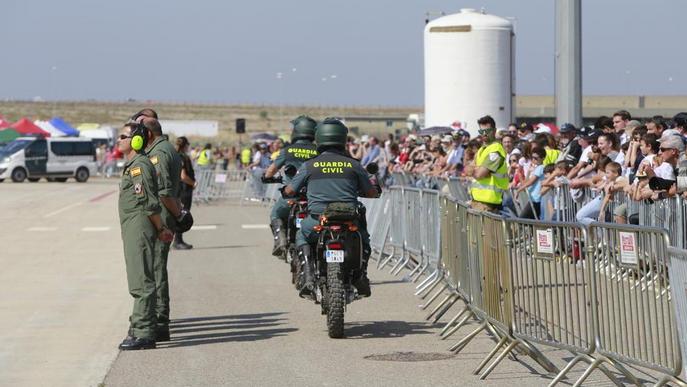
column 222, row 329
column 385, row 329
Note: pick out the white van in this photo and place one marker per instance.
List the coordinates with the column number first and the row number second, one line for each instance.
column 56, row 159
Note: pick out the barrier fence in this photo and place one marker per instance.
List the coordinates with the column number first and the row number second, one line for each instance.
column 608, row 293
column 562, row 203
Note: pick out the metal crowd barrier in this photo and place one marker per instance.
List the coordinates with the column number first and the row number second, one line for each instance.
column 602, row 292
column 216, row 185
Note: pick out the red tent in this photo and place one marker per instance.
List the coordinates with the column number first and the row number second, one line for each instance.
column 3, row 123
column 27, row 128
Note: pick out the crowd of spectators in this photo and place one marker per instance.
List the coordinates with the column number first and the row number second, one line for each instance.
column 617, row 159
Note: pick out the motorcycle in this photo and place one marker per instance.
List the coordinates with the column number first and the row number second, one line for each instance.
column 339, row 259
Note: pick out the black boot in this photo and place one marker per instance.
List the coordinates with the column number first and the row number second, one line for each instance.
column 307, row 287
column 179, row 243
column 279, row 232
column 134, row 343
column 162, row 334
column 363, row 283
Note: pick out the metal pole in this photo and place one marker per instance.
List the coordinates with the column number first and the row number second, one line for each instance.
column 568, row 68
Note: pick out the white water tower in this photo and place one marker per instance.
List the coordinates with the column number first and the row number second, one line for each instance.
column 469, row 69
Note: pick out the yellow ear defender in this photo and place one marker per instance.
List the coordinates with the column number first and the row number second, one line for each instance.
column 139, row 137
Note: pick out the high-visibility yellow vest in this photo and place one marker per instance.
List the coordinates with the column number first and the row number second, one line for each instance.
column 490, row 189
column 245, row 156
column 203, row 159
column 551, row 156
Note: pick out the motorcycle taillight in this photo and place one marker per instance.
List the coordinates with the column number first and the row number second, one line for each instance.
column 302, row 215
column 335, row 246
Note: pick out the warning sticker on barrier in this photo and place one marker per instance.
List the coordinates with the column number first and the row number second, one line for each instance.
column 544, row 241
column 220, row 178
column 628, row 248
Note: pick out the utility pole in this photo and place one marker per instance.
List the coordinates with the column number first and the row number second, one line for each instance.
column 568, row 62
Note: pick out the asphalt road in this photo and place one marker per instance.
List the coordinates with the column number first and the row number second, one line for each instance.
column 236, row 318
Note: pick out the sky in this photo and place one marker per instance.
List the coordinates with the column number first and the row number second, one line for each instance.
column 354, row 52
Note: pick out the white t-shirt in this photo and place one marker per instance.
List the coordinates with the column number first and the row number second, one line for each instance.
column 585, row 153
column 256, row 157
column 665, row 171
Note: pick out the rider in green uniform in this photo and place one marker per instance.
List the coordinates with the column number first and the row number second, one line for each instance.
column 332, row 176
column 294, row 155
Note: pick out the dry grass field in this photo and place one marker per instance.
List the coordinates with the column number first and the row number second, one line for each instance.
column 259, row 118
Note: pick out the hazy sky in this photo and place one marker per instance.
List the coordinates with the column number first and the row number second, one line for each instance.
column 231, row 51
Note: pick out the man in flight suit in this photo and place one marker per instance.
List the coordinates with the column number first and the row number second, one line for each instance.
column 301, row 150
column 332, row 176
column 167, row 163
column 139, row 217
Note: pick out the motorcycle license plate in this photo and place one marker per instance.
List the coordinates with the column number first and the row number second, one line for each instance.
column 334, row 256
column 298, row 222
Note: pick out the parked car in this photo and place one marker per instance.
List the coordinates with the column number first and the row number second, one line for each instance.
column 55, row 159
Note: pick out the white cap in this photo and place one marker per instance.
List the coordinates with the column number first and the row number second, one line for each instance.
column 541, row 128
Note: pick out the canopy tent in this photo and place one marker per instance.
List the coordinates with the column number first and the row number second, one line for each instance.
column 64, row 127
column 27, row 128
column 4, row 123
column 50, row 128
column 7, row 135
column 263, row 137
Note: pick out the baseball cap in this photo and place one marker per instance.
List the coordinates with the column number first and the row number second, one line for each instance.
column 526, row 126
column 541, row 128
column 567, row 127
column 588, row 133
column 673, row 142
column 463, row 133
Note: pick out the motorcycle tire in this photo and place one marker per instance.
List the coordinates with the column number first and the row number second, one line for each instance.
column 336, row 301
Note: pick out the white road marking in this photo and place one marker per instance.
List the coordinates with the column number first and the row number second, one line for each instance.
column 61, row 210
column 254, row 226
column 204, row 227
column 40, row 229
column 95, row 229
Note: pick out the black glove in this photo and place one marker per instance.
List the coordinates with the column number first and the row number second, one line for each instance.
column 284, row 195
column 184, row 221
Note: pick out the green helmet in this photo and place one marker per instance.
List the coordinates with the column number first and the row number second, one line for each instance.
column 303, row 128
column 331, row 132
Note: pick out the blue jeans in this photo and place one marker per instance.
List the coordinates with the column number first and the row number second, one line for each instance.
column 589, row 212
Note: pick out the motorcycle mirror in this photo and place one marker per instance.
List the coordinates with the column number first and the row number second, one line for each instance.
column 290, row 171
column 372, row 168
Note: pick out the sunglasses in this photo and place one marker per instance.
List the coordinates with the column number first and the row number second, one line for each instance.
column 666, row 149
column 536, row 158
column 123, row 136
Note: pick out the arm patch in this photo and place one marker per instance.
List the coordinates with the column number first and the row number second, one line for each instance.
column 135, row 171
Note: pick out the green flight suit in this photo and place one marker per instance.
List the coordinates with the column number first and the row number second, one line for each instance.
column 293, row 155
column 167, row 163
column 137, row 201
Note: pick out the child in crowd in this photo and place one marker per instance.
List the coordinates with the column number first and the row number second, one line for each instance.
column 533, row 186
column 613, row 183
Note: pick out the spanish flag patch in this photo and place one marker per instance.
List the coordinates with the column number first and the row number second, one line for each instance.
column 135, row 171
column 154, row 160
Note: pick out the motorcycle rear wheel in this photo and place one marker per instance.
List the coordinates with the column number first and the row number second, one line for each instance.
column 336, row 301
